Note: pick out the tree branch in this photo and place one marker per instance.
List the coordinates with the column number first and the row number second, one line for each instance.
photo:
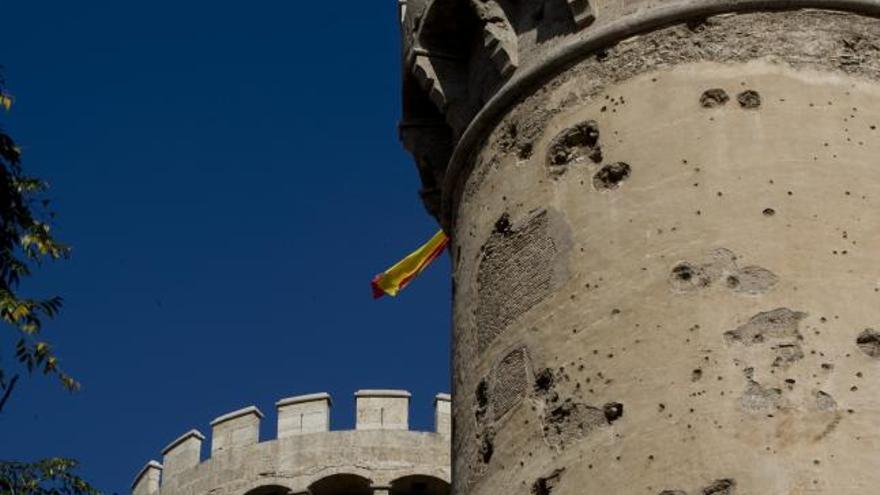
column 7, row 392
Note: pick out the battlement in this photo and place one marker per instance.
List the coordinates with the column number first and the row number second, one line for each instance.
column 303, row 443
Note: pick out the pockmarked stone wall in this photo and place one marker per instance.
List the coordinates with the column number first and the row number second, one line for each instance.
column 664, row 220
column 381, row 456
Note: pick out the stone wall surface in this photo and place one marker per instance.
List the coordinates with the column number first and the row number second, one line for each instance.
column 379, row 458
column 664, row 248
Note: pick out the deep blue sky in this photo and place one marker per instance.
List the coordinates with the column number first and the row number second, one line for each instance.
column 230, row 178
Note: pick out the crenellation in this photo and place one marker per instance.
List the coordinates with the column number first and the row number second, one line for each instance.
column 236, row 429
column 381, row 448
column 303, row 414
column 425, row 71
column 382, row 409
column 442, row 414
column 147, row 480
column 581, row 12
column 183, row 453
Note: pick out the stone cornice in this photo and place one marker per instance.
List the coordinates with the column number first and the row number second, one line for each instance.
column 569, row 50
column 236, row 414
column 299, row 399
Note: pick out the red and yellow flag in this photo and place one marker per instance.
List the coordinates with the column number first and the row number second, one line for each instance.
column 394, row 279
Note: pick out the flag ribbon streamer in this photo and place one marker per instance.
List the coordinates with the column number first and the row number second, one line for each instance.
column 396, row 278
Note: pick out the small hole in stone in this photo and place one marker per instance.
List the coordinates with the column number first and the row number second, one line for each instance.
column 769, row 212
column 502, row 225
column 714, row 97
column 869, row 342
column 487, row 446
column 482, row 394
column 683, row 272
column 544, row 380
column 749, row 99
column 613, row 411
column 610, row 176
column 581, row 140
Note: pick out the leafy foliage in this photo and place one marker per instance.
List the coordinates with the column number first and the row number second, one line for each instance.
column 25, row 242
column 47, row 477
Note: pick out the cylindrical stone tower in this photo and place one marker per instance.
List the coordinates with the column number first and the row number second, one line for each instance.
column 666, row 240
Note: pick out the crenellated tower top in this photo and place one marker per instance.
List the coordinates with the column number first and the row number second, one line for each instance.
column 306, row 454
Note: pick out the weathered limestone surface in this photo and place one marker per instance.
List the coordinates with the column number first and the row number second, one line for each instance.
column 307, row 457
column 382, row 409
column 664, row 249
column 303, row 414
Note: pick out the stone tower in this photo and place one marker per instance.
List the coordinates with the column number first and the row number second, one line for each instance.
column 665, row 222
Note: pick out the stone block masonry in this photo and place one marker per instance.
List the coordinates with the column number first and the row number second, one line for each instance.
column 664, row 221
column 380, row 456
